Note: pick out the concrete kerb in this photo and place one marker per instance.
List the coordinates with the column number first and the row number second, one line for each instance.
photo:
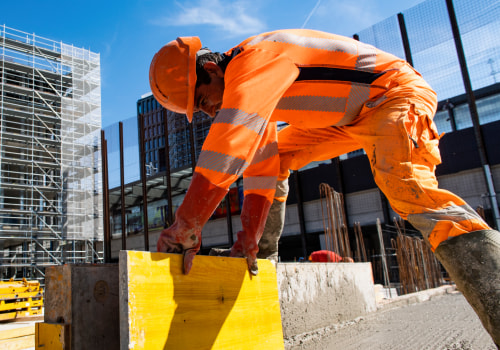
column 417, row 297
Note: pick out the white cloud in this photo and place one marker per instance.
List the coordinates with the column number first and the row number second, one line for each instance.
column 233, row 18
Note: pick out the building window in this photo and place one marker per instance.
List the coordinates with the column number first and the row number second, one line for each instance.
column 462, row 116
column 442, row 121
column 488, row 109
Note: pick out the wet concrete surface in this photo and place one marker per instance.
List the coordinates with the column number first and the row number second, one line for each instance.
column 434, row 320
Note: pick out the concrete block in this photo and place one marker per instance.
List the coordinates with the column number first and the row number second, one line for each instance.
column 317, row 295
column 85, row 297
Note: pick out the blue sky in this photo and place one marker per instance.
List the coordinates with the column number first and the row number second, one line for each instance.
column 128, row 33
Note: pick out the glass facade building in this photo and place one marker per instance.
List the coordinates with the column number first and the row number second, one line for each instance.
column 179, row 135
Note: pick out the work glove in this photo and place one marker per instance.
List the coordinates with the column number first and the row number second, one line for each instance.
column 253, row 219
column 184, row 236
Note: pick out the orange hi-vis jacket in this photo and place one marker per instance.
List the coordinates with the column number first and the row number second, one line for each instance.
column 337, row 95
column 305, row 78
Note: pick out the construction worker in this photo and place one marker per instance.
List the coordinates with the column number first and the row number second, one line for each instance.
column 337, row 95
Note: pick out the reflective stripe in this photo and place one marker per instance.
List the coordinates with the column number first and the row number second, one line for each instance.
column 259, row 183
column 367, row 57
column 358, row 95
column 360, row 76
column 313, row 103
column 425, row 222
column 312, row 43
column 222, row 163
column 235, row 116
column 265, row 152
column 367, row 54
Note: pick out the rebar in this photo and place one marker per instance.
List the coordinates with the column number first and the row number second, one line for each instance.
column 336, row 231
column 418, row 267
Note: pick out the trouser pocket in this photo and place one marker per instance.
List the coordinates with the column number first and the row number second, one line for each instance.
column 424, row 135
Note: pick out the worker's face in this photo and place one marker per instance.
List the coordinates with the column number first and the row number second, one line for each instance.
column 208, row 97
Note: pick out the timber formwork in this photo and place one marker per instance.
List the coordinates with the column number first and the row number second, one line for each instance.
column 50, row 182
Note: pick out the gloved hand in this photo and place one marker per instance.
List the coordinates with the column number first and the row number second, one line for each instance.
column 253, row 219
column 184, row 236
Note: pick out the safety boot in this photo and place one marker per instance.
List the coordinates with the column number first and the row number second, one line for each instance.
column 473, row 262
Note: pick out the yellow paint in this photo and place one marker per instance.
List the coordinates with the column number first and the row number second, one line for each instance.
column 19, row 313
column 19, row 295
column 20, row 304
column 21, row 298
column 217, row 306
column 24, row 286
column 12, row 289
column 53, row 336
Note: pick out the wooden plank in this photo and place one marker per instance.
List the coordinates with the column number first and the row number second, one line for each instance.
column 25, row 342
column 16, row 332
column 219, row 305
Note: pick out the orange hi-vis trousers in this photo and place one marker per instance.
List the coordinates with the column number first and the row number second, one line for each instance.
column 401, row 142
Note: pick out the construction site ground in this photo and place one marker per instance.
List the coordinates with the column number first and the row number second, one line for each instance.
column 435, row 319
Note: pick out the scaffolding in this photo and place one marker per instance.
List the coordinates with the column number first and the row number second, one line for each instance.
column 50, row 172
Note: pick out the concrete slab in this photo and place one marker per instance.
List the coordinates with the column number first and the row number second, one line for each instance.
column 315, row 295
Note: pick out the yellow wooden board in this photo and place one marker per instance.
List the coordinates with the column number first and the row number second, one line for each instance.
column 219, row 305
column 53, row 336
